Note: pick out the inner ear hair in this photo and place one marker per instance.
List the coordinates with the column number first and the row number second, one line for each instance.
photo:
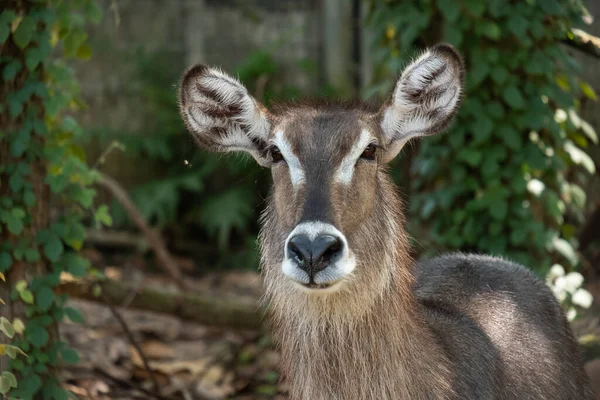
column 221, row 114
column 426, row 97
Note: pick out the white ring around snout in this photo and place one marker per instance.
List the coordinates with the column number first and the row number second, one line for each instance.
column 330, row 275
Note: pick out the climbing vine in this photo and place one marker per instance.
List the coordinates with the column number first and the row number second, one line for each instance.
column 40, row 165
column 507, row 178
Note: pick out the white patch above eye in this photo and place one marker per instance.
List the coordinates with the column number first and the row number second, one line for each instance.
column 345, row 171
column 297, row 175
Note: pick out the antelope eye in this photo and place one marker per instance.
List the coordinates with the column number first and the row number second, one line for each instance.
column 369, row 153
column 276, row 155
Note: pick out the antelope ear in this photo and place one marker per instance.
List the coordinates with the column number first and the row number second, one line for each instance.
column 425, row 98
column 221, row 115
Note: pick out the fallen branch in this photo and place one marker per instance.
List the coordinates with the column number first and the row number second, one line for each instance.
column 153, row 237
column 117, row 239
column 584, row 42
column 134, row 343
column 207, row 310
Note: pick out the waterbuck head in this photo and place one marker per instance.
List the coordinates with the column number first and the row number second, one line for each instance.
column 333, row 222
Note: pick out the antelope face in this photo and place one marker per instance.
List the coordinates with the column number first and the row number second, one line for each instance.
column 325, row 159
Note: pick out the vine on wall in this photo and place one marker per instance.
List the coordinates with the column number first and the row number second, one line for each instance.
column 40, row 162
column 507, row 178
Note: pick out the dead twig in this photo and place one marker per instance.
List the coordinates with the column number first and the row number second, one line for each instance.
column 584, row 42
column 133, row 342
column 153, row 237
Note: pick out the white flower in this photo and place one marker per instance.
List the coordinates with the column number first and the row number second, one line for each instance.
column 571, row 314
column 582, row 298
column 573, row 280
column 555, row 271
column 560, row 116
column 536, row 187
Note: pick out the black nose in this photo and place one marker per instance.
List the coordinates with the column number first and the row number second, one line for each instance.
column 314, row 256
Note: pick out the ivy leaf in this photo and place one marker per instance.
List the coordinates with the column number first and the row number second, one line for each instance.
column 450, row 9
column 77, row 265
column 588, row 91
column 12, row 221
column 490, row 29
column 33, row 57
column 84, row 52
column 11, row 351
column 44, row 299
column 38, row 336
column 517, row 24
column 4, row 32
column 499, row 209
column 5, row 261
column 53, row 248
column 69, row 356
column 11, row 70
column 93, row 11
column 102, row 216
column 10, row 378
column 513, row 97
column 7, row 328
column 24, row 33
column 510, row 136
column 74, row 315
column 26, row 296
column 32, row 255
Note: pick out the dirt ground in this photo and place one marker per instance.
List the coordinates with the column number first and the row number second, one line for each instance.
column 188, row 360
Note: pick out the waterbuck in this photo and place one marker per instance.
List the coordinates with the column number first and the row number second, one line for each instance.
column 354, row 316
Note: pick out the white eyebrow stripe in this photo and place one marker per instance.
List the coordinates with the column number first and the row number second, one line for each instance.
column 296, row 172
column 345, row 171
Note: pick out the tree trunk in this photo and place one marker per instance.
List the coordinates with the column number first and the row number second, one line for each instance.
column 39, row 211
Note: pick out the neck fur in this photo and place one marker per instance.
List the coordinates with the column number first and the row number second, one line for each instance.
column 366, row 341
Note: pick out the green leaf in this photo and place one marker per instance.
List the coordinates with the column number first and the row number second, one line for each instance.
column 11, row 351
column 490, row 29
column 10, row 378
column 11, row 70
column 510, row 136
column 44, row 299
column 6, row 327
column 77, row 265
column 93, row 11
column 517, row 24
column 33, row 57
column 24, row 33
column 26, row 296
column 4, row 33
column 38, row 336
column 53, row 248
column 102, row 216
column 32, row 255
column 74, row 315
column 499, row 74
column 13, row 222
column 84, row 52
column 588, row 91
column 5, row 261
column 69, row 356
column 470, row 156
column 450, row 9
column 513, row 97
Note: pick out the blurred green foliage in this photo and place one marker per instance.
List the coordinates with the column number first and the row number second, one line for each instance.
column 39, row 158
column 507, row 177
column 216, row 198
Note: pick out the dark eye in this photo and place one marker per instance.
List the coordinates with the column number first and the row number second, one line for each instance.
column 369, row 153
column 276, row 155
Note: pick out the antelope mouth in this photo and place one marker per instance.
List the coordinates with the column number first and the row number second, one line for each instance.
column 317, row 286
